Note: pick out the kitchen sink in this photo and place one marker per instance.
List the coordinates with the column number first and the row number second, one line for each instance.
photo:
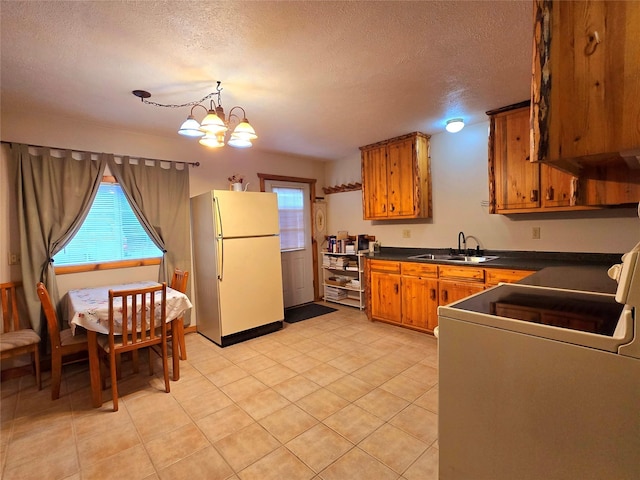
column 454, row 258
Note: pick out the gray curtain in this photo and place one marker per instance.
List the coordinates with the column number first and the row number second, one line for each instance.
column 159, row 197
column 54, row 197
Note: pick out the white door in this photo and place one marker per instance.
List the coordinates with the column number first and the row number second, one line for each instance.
column 295, row 237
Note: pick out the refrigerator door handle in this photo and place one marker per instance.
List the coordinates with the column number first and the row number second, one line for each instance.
column 220, row 239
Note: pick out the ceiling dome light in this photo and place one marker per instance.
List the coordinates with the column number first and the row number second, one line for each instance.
column 454, row 125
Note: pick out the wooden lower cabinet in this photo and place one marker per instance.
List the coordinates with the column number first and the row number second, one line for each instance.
column 385, row 291
column 494, row 276
column 454, row 290
column 408, row 293
column 419, row 295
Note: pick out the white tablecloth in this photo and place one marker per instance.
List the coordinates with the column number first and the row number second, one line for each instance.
column 89, row 307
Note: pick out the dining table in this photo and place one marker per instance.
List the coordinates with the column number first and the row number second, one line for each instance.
column 89, row 308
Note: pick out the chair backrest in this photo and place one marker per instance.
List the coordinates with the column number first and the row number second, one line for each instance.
column 179, row 280
column 9, row 300
column 143, row 318
column 50, row 314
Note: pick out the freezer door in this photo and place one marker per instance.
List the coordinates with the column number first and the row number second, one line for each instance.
column 251, row 285
column 246, row 214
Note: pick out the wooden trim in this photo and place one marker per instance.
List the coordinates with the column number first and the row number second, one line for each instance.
column 93, row 267
column 396, row 139
column 542, row 78
column 348, row 187
column 515, row 106
column 312, row 196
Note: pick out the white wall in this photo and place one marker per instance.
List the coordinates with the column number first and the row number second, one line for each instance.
column 460, row 193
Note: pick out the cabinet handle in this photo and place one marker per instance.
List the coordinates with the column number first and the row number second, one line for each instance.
column 534, row 195
column 575, row 191
column 549, row 195
column 393, row 207
column 445, row 296
column 432, row 294
column 395, row 288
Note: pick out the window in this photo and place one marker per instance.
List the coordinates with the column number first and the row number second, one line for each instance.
column 110, row 233
column 291, row 212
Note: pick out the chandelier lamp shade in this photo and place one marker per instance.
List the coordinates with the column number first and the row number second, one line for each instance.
column 214, row 128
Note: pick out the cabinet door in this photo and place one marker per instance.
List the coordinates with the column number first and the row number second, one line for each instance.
column 451, row 291
column 517, row 180
column 374, row 183
column 385, row 296
column 559, row 189
column 420, row 302
column 401, row 175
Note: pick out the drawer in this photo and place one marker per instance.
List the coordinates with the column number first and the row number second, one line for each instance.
column 471, row 274
column 419, row 269
column 384, row 266
column 493, row 276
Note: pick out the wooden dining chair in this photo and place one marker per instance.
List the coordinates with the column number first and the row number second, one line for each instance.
column 14, row 339
column 141, row 328
column 179, row 283
column 63, row 342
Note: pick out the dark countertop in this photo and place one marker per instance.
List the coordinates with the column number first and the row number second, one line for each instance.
column 586, row 278
column 572, row 271
column 517, row 260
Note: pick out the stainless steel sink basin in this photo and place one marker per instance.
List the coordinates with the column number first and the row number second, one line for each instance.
column 454, row 258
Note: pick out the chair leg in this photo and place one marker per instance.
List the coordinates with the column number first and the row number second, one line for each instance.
column 56, row 375
column 114, row 381
column 175, row 357
column 183, row 346
column 36, row 361
column 165, row 366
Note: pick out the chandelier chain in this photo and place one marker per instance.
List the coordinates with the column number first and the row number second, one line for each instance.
column 182, row 105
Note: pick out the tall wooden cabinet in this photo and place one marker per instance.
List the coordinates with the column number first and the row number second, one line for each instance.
column 396, row 178
column 586, row 83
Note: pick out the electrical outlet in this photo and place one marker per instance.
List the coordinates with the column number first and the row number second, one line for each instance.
column 535, row 233
column 406, row 233
column 14, row 259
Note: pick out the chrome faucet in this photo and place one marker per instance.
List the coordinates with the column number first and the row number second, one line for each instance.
column 464, row 242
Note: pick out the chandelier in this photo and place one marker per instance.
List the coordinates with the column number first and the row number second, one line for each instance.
column 213, row 129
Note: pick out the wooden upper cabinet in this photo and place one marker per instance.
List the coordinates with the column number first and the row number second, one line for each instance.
column 396, row 178
column 586, row 83
column 517, row 185
column 516, row 180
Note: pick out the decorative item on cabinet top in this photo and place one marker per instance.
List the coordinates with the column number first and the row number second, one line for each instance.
column 345, row 187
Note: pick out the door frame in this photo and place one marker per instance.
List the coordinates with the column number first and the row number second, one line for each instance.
column 312, row 196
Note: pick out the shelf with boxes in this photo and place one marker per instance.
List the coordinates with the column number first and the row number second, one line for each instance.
column 342, row 278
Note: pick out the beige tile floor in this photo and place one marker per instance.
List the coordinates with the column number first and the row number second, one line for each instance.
column 333, row 397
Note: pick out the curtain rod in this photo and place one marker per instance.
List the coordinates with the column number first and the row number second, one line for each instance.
column 193, row 164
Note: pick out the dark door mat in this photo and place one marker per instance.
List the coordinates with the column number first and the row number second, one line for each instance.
column 304, row 312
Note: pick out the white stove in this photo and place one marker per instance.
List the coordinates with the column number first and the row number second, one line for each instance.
column 542, row 383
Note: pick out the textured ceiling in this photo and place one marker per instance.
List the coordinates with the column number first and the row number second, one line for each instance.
column 317, row 79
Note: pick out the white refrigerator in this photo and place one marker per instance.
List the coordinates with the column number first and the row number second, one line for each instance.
column 238, row 272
